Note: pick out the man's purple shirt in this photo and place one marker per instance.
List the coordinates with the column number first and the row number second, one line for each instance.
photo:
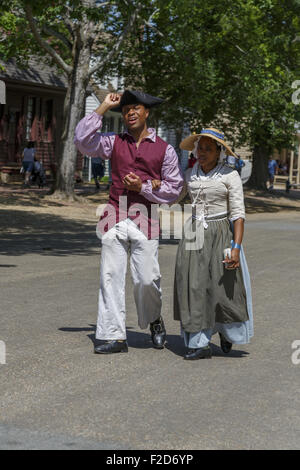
column 94, row 144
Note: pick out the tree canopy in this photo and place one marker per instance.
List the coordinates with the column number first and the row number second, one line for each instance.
column 223, row 63
column 227, row 64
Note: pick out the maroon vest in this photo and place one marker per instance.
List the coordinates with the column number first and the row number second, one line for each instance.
column 146, row 162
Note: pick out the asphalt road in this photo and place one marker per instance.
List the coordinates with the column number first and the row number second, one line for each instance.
column 56, row 394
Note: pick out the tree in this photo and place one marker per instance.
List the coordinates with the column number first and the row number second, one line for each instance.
column 226, row 64
column 80, row 38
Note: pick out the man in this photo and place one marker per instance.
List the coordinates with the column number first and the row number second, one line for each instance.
column 272, row 169
column 145, row 170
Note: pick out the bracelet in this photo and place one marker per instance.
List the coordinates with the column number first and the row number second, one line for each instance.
column 235, row 245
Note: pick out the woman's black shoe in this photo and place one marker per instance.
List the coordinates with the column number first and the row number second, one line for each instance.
column 200, row 353
column 111, row 347
column 225, row 345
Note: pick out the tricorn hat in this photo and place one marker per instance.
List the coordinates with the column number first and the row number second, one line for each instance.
column 189, row 142
column 135, row 97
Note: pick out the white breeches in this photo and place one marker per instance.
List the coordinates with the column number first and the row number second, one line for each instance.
column 145, row 275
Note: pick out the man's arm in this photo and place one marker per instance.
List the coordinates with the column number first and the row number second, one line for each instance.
column 87, row 139
column 171, row 181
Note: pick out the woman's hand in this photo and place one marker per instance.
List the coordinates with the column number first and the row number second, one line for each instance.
column 155, row 184
column 234, row 261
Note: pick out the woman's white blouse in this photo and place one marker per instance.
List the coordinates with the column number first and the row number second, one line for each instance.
column 217, row 193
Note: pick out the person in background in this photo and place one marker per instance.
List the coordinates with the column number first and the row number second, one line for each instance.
column 239, row 164
column 272, row 170
column 28, row 161
column 97, row 170
column 192, row 161
column 284, row 169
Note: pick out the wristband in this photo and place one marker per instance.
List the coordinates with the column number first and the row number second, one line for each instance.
column 235, row 245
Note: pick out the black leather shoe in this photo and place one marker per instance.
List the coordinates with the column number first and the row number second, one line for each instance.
column 158, row 333
column 225, row 345
column 111, row 347
column 200, row 353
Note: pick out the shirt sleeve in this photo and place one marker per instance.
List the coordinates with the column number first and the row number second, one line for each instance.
column 89, row 141
column 171, row 181
column 184, row 189
column 235, row 197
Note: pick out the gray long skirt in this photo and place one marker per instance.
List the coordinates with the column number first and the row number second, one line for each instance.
column 205, row 293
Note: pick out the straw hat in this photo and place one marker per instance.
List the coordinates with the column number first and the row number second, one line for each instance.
column 189, row 142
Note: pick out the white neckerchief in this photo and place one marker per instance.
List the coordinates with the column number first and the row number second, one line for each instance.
column 198, row 175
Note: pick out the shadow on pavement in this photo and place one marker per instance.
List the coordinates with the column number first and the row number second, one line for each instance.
column 47, row 234
column 140, row 340
column 254, row 206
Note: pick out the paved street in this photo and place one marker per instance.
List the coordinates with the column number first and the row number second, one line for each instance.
column 55, row 393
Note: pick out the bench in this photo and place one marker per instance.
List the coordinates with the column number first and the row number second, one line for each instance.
column 289, row 186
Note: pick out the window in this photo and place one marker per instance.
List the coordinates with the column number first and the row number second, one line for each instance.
column 48, row 114
column 30, row 115
column 108, row 124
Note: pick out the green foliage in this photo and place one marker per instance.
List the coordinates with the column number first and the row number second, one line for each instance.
column 100, row 24
column 222, row 63
column 229, row 64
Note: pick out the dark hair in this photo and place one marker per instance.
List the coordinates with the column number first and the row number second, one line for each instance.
column 30, row 144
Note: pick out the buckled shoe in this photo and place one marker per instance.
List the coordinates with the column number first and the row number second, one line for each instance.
column 225, row 345
column 158, row 333
column 111, row 347
column 199, row 353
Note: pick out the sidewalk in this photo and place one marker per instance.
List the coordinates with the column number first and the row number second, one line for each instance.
column 55, row 393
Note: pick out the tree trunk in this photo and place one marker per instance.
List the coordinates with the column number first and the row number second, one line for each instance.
column 259, row 175
column 73, row 111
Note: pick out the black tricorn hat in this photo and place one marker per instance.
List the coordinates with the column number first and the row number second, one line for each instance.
column 135, row 97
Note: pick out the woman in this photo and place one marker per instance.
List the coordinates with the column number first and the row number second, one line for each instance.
column 209, row 293
column 28, row 161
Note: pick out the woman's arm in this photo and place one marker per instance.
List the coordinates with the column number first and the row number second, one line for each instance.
column 234, row 261
column 237, row 217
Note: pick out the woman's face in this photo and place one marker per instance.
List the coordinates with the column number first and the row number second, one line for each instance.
column 207, row 152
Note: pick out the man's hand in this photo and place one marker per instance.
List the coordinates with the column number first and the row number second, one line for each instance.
column 111, row 101
column 155, row 184
column 132, row 182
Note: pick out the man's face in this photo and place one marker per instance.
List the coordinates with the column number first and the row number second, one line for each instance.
column 134, row 115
